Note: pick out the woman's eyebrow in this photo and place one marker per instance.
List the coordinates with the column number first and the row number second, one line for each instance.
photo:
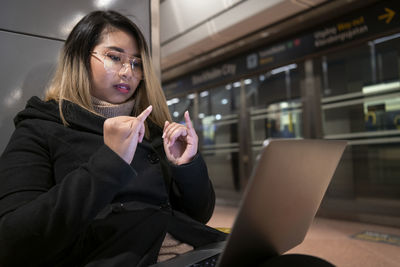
column 119, row 49
column 116, row 48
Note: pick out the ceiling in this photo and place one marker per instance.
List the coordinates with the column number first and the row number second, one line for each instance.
column 192, row 28
column 196, row 33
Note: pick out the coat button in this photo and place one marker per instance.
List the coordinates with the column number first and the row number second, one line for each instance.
column 118, row 207
column 153, row 158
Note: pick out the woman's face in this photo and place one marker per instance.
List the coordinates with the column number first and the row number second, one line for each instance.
column 115, row 85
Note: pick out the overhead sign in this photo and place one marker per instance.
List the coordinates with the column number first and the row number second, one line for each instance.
column 371, row 21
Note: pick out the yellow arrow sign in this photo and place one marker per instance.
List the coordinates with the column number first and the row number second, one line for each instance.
column 388, row 15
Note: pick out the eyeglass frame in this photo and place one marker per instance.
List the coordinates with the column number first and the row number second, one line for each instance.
column 131, row 60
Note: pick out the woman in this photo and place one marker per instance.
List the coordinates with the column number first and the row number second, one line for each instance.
column 96, row 174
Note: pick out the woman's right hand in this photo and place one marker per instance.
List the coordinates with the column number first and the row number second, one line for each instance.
column 123, row 133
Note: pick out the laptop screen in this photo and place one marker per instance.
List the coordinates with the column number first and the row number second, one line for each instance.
column 281, row 198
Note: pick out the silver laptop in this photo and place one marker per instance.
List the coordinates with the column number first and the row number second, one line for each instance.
column 278, row 206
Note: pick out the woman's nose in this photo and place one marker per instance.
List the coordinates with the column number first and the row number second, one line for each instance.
column 125, row 71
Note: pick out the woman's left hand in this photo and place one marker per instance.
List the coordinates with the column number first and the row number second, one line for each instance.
column 180, row 141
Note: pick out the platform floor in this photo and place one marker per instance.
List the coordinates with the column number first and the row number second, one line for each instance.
column 333, row 241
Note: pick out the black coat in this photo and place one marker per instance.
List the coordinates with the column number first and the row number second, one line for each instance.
column 66, row 199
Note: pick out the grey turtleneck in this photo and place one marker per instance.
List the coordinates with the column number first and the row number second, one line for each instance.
column 109, row 110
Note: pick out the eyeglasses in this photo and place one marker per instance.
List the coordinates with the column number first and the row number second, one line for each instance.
column 114, row 61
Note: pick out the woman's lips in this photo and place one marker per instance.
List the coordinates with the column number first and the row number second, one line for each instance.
column 123, row 88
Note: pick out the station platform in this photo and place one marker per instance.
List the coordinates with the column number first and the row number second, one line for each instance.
column 342, row 243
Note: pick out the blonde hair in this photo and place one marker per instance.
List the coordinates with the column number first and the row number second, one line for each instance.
column 72, row 80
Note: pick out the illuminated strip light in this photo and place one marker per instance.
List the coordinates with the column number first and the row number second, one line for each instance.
column 248, row 81
column 283, row 69
column 173, row 101
column 284, row 105
column 236, row 84
column 370, row 89
column 204, row 94
column 386, row 38
column 103, row 3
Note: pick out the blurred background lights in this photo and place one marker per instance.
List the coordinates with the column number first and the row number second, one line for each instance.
column 69, row 25
column 283, row 69
column 14, row 96
column 204, row 94
column 172, row 101
column 103, row 4
column 247, row 81
column 191, row 96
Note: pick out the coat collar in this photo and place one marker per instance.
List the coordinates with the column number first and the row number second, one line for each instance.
column 77, row 117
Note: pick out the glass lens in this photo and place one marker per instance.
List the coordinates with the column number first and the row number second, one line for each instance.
column 114, row 61
column 136, row 65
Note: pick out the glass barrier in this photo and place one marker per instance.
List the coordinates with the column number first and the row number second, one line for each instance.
column 275, row 108
column 369, row 116
column 178, row 105
column 361, row 103
column 218, row 114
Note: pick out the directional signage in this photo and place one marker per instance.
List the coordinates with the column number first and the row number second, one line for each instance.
column 387, row 16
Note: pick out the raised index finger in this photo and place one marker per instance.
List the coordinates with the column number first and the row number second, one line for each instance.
column 145, row 113
column 188, row 121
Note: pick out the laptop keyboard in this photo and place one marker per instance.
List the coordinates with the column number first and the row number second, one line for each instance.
column 209, row 262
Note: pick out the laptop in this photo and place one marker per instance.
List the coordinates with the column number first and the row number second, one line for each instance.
column 278, row 205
